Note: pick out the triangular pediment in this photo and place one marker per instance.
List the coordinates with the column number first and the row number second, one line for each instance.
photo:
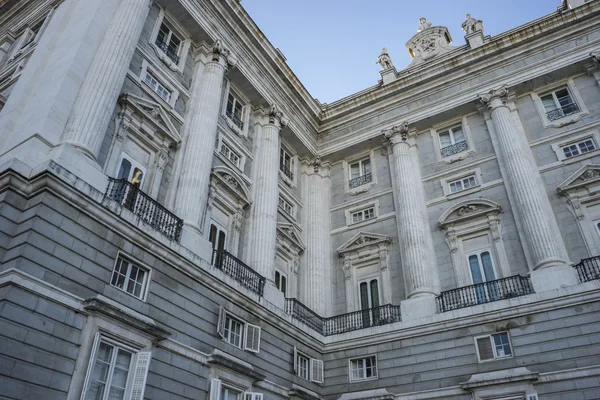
column 291, row 234
column 233, row 182
column 582, row 177
column 468, row 209
column 363, row 239
column 153, row 112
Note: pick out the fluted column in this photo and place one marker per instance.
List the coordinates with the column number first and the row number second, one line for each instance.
column 317, row 276
column 538, row 227
column 263, row 228
column 414, row 236
column 200, row 131
column 98, row 94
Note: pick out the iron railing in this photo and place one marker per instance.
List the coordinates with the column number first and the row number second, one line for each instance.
column 588, row 269
column 234, row 118
column 145, row 207
column 359, row 181
column 485, row 292
column 239, row 271
column 454, row 149
column 286, row 171
column 168, row 51
column 563, row 111
column 348, row 322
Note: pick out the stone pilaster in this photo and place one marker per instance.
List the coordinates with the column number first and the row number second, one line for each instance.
column 414, row 236
column 263, row 227
column 317, row 278
column 98, row 94
column 530, row 204
column 200, row 131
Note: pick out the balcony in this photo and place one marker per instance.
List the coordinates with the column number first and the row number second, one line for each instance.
column 348, row 322
column 286, row 171
column 588, row 269
column 145, row 207
column 168, row 51
column 454, row 149
column 239, row 271
column 236, row 121
column 359, row 181
column 485, row 292
column 564, row 111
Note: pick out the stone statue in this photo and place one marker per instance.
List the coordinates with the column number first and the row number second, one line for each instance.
column 471, row 25
column 385, row 60
column 423, row 24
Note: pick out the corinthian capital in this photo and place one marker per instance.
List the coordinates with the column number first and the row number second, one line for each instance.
column 221, row 54
column 397, row 134
column 276, row 117
column 494, row 98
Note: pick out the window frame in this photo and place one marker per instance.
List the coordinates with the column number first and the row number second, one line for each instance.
column 147, row 277
column 541, row 92
column 350, row 212
column 282, row 282
column 158, row 88
column 314, row 370
column 164, row 80
column 462, row 183
column 478, row 254
column 246, row 110
column 225, row 145
column 363, row 368
column 558, row 146
column 578, row 147
column 297, row 358
column 359, row 158
column 282, row 201
column 180, row 33
column 284, row 150
column 235, row 147
column 247, row 331
column 493, row 345
column 436, row 130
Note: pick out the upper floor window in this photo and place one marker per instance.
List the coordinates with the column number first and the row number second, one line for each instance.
column 237, row 332
column 363, row 215
column 286, row 206
column 157, row 87
column 452, row 141
column 363, row 368
column 230, row 154
column 130, row 277
column 559, row 104
column 281, row 282
column 302, row 366
column 217, row 236
column 222, row 391
column 491, row 347
column 131, row 170
column 168, row 42
column 286, row 164
column 235, row 111
column 575, row 149
column 462, row 184
column 359, row 173
column 308, row 368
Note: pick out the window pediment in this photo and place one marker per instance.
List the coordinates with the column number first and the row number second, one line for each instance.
column 467, row 210
column 363, row 240
column 586, row 177
column 291, row 236
column 231, row 181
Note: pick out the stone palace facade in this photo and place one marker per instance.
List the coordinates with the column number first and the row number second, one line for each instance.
column 180, row 219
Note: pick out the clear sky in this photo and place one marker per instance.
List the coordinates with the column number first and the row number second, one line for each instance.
column 332, row 45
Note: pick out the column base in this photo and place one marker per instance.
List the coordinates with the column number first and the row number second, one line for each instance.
column 553, row 278
column 274, row 295
column 192, row 240
column 418, row 307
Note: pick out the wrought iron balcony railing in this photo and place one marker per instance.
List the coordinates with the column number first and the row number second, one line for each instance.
column 564, row 111
column 239, row 271
column 286, row 171
column 588, row 269
column 345, row 322
column 485, row 292
column 168, row 51
column 454, row 149
column 145, row 207
column 237, row 121
column 359, row 181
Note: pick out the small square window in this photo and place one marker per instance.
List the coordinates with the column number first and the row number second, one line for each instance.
column 559, row 104
column 493, row 346
column 462, row 184
column 130, row 278
column 286, row 206
column 363, row 368
column 363, row 215
column 230, row 154
column 575, row 149
column 157, row 87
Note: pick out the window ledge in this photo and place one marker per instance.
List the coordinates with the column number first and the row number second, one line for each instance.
column 364, row 380
column 166, row 59
column 361, row 189
column 287, row 180
column 236, row 129
column 456, row 157
column 569, row 119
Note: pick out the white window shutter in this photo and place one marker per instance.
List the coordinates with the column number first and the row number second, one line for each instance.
column 252, row 338
column 221, row 322
column 532, row 396
column 484, row 346
column 140, row 374
column 91, row 364
column 316, row 370
column 215, row 389
column 253, row 396
column 295, row 359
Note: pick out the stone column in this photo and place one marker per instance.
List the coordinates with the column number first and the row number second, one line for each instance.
column 263, row 229
column 200, row 132
column 98, row 94
column 538, row 228
column 421, row 279
column 317, row 277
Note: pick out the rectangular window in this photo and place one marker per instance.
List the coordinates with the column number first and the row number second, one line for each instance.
column 130, row 278
column 235, row 111
column 462, row 184
column 237, row 332
column 234, row 330
column 230, row 154
column 359, row 173
column 281, row 282
column 302, row 366
column 363, row 368
column 452, row 141
column 494, row 346
column 363, row 215
column 286, row 206
column 157, row 87
column 168, row 42
column 559, row 104
column 217, row 236
column 308, row 368
column 575, row 149
column 286, row 164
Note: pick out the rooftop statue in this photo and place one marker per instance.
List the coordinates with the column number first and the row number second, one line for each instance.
column 471, row 25
column 423, row 24
column 385, row 60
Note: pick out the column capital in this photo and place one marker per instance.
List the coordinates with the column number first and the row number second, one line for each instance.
column 274, row 116
column 222, row 55
column 319, row 167
column 399, row 133
column 494, row 98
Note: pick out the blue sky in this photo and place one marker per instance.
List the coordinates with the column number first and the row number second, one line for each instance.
column 332, row 45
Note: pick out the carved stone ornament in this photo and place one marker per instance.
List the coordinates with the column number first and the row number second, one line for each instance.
column 423, row 24
column 595, row 55
column 466, row 210
column 238, row 218
column 212, row 195
column 347, row 266
column 316, row 163
column 384, row 255
column 124, row 123
column 219, row 51
column 590, row 174
column 452, row 240
column 429, row 42
column 397, row 134
column 471, row 25
column 384, row 60
column 496, row 94
column 230, row 180
column 162, row 159
column 276, row 116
